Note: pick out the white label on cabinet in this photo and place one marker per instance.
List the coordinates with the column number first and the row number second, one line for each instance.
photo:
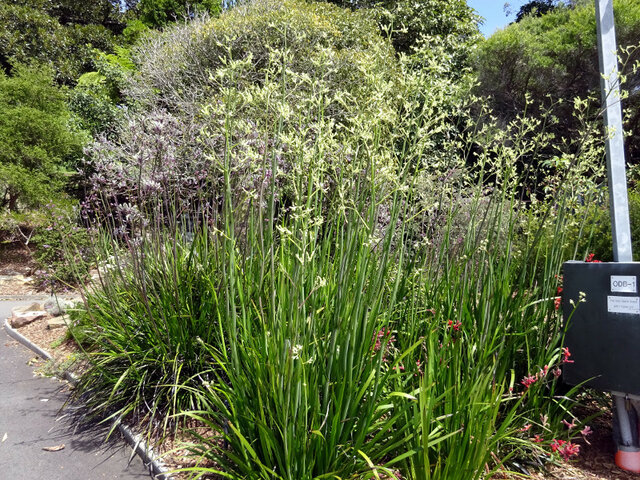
column 623, row 305
column 624, row 283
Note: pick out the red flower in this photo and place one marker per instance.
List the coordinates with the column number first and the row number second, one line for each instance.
column 566, row 449
column 586, row 431
column 565, row 355
column 569, row 450
column 590, row 259
column 379, row 337
column 558, row 301
column 456, row 326
column 385, row 336
column 537, row 439
column 569, row 425
column 528, row 381
column 526, row 427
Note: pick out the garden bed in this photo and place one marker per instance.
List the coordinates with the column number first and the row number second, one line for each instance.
column 595, row 461
column 17, row 267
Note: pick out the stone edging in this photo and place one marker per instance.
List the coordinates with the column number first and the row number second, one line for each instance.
column 157, row 468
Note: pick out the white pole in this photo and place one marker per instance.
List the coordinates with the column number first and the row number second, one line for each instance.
column 618, row 201
column 610, row 85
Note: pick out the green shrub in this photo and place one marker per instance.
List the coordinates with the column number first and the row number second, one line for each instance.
column 553, row 59
column 34, row 32
column 143, row 341
column 313, row 342
column 598, row 224
column 62, row 248
column 97, row 99
column 187, row 65
column 318, row 268
column 37, row 143
column 282, row 74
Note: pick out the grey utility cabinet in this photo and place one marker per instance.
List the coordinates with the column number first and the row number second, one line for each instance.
column 603, row 334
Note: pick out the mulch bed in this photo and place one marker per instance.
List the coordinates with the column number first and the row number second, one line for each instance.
column 54, row 341
column 16, row 259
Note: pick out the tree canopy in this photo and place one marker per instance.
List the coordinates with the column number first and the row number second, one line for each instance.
column 158, row 13
column 59, row 33
column 535, row 7
column 553, row 58
column 37, row 141
column 412, row 23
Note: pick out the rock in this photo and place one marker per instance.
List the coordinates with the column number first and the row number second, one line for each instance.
column 18, row 321
column 58, row 322
column 25, row 315
column 15, row 279
column 34, row 307
column 94, row 275
column 58, row 306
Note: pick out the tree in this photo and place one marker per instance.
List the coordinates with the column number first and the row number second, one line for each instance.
column 536, row 8
column 412, row 23
column 59, row 33
column 158, row 13
column 36, row 141
column 450, row 21
column 553, row 59
column 96, row 12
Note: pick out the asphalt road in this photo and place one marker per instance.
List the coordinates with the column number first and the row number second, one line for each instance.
column 31, row 419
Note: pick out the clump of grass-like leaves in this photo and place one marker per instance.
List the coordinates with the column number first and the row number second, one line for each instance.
column 139, row 327
column 302, row 386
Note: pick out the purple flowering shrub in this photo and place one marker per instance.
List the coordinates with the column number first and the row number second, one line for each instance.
column 150, row 171
column 159, row 170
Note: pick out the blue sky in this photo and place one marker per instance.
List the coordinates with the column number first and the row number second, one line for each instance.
column 494, row 13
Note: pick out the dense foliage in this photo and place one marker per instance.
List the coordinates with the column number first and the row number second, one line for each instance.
column 97, row 100
column 553, row 59
column 268, row 66
column 412, row 26
column 158, row 13
column 60, row 34
column 535, row 7
column 309, row 247
column 325, row 343
column 37, row 141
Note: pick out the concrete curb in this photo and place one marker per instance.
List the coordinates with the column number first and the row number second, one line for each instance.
column 157, row 468
column 26, row 298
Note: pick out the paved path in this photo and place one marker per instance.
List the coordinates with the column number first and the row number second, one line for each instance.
column 29, row 417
